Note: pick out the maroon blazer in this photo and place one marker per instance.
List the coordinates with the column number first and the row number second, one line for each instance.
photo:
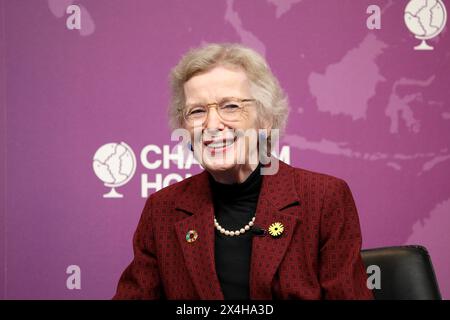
column 316, row 257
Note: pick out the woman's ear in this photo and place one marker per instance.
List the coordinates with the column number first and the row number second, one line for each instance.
column 266, row 124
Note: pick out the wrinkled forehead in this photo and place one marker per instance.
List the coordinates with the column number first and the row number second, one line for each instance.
column 216, row 84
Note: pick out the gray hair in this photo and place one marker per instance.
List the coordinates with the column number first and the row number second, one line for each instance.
column 264, row 85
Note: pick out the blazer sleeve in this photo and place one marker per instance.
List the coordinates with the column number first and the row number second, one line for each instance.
column 141, row 280
column 342, row 274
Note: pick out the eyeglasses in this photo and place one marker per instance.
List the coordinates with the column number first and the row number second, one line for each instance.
column 228, row 109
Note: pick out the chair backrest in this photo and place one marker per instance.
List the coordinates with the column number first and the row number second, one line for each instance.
column 406, row 273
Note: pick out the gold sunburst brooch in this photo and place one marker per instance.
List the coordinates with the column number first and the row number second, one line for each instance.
column 276, row 229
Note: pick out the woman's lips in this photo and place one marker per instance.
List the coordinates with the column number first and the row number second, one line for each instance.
column 219, row 145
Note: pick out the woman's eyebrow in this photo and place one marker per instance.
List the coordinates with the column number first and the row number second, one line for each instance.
column 224, row 99
column 195, row 104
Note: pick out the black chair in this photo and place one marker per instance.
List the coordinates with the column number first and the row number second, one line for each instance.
column 406, row 273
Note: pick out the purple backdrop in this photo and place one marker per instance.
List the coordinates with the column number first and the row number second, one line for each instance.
column 365, row 106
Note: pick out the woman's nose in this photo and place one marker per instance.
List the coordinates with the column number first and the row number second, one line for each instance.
column 213, row 120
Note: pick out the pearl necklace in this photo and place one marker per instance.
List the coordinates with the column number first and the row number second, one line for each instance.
column 234, row 233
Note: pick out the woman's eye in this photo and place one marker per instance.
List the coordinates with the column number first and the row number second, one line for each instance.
column 196, row 111
column 230, row 106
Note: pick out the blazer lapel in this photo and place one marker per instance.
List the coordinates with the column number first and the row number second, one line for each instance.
column 278, row 202
column 196, row 200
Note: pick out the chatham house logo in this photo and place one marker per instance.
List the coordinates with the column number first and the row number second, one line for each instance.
column 425, row 19
column 114, row 164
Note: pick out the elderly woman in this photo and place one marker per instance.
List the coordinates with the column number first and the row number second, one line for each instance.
column 232, row 232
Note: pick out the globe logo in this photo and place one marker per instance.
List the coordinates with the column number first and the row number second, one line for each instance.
column 425, row 19
column 114, row 164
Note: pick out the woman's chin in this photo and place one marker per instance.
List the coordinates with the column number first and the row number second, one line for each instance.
column 222, row 159
column 216, row 165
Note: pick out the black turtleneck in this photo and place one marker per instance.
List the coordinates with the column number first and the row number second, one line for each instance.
column 234, row 206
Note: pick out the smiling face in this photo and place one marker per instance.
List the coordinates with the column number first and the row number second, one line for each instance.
column 218, row 145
